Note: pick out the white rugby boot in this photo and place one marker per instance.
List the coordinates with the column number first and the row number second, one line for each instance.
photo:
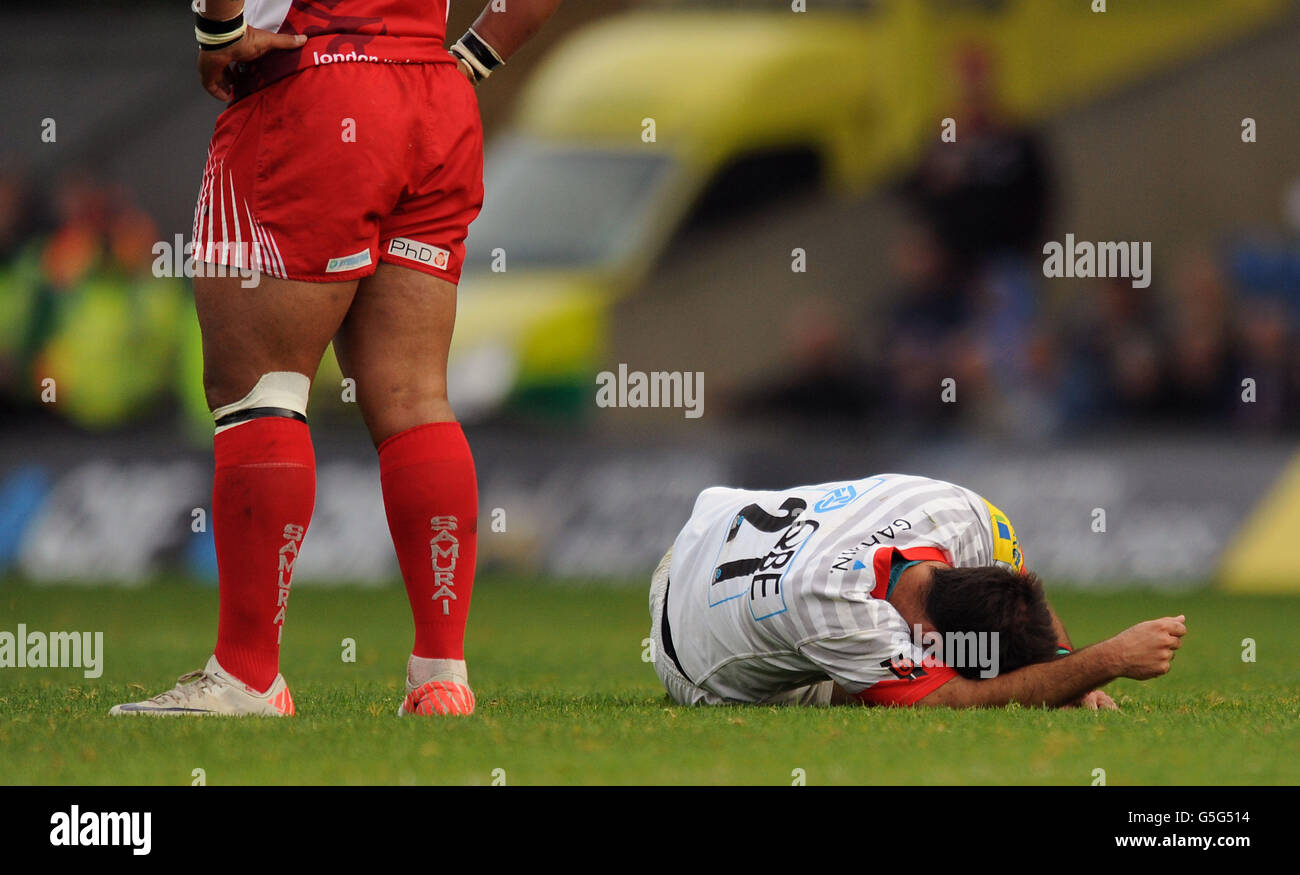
column 213, row 692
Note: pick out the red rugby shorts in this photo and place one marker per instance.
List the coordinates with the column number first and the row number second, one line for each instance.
column 325, row 173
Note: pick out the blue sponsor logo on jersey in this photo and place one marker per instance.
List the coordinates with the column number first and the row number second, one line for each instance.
column 843, row 496
column 836, row 499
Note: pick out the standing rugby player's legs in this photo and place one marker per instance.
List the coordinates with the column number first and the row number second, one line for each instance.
column 394, row 343
column 261, row 347
column 262, row 343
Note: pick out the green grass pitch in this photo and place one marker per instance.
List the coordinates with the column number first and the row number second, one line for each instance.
column 564, row 698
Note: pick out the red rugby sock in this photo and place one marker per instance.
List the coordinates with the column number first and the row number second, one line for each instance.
column 263, row 495
column 431, row 499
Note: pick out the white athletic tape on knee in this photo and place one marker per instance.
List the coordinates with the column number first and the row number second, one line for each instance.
column 278, row 390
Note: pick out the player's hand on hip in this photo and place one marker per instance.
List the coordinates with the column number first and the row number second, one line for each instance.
column 1146, row 650
column 214, row 67
column 465, row 70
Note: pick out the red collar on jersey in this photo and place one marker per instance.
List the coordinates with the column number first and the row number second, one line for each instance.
column 884, row 558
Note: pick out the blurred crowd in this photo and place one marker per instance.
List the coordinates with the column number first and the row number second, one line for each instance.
column 1210, row 343
column 974, row 338
column 88, row 331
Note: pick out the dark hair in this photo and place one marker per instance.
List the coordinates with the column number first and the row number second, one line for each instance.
column 990, row 598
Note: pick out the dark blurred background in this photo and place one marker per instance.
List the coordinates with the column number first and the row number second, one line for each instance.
column 738, row 190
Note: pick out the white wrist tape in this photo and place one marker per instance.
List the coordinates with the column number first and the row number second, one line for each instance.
column 475, row 51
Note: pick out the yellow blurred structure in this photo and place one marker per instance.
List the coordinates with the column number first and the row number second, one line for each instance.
column 1263, row 555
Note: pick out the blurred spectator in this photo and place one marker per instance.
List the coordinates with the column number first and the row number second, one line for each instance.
column 1201, row 357
column 821, row 379
column 1265, row 267
column 1268, row 359
column 79, row 304
column 19, row 220
column 19, row 277
column 983, row 198
column 928, row 335
column 1114, row 346
column 987, row 193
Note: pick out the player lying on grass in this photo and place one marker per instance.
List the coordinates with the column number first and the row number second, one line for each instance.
column 890, row 590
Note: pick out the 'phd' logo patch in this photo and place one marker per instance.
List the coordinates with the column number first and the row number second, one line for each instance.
column 434, row 256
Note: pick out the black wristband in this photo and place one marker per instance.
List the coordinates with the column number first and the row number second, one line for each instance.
column 213, row 35
column 471, row 43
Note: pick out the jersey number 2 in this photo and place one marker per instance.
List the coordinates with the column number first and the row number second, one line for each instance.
column 766, row 559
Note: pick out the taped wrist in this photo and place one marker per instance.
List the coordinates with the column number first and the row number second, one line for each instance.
column 214, row 35
column 474, row 51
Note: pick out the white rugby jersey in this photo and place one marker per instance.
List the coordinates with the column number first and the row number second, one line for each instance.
column 771, row 591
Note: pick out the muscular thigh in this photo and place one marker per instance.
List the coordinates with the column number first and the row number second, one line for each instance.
column 277, row 325
column 394, row 344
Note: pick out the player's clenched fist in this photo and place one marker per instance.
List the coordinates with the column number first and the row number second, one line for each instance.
column 214, row 66
column 1145, row 651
